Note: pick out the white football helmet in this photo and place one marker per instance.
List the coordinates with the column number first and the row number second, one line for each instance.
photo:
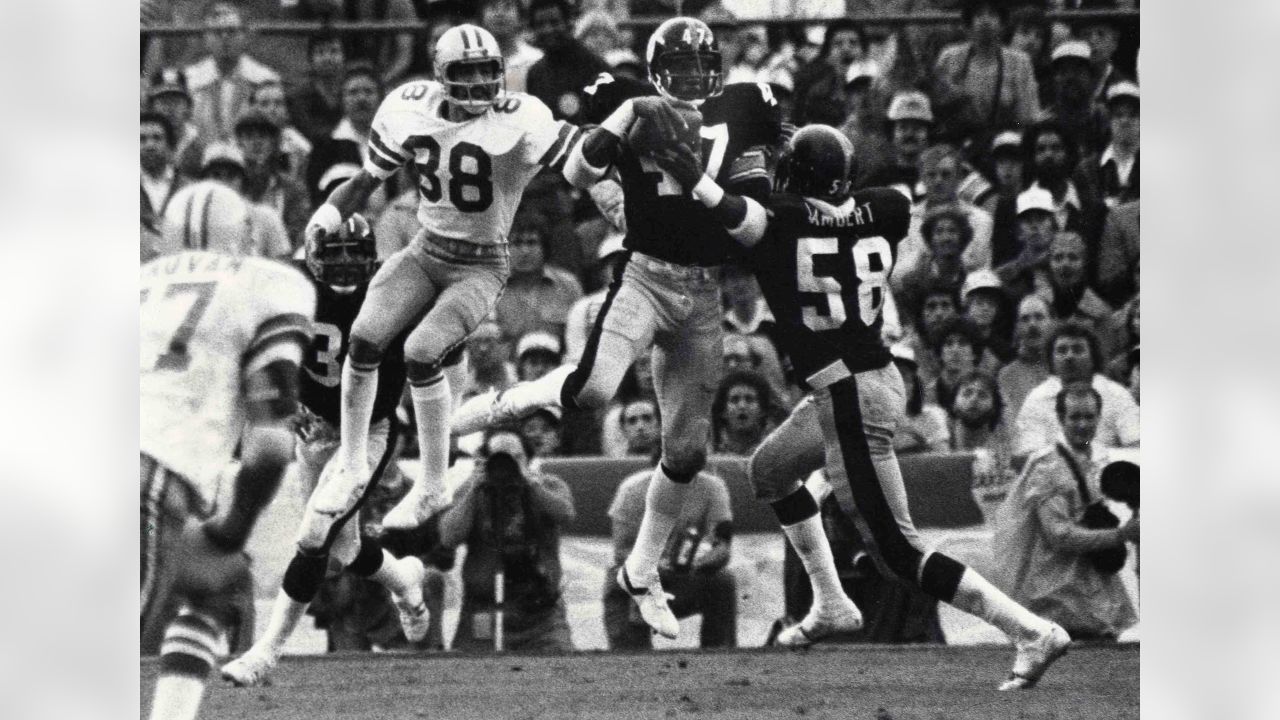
column 207, row 215
column 469, row 64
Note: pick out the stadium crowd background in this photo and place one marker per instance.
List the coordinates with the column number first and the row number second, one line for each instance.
column 1014, row 131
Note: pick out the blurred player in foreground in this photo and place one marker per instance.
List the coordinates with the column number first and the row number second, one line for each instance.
column 823, row 259
column 222, row 338
column 340, row 266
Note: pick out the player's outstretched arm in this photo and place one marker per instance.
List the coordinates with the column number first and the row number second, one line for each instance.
column 346, row 199
column 591, row 158
column 744, row 217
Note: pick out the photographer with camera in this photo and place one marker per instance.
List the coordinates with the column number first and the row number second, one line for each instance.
column 510, row 518
column 693, row 566
column 1060, row 545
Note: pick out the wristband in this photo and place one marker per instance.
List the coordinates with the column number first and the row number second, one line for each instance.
column 621, row 120
column 327, row 218
column 708, row 192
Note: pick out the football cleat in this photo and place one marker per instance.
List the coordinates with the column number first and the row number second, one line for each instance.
column 1035, row 656
column 414, row 509
column 414, row 617
column 821, row 623
column 340, row 489
column 652, row 602
column 250, row 669
column 495, row 407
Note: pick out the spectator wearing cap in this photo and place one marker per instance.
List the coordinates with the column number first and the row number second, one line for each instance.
column 224, row 163
column 1103, row 37
column 946, row 233
column 941, row 169
column 543, row 431
column 566, row 66
column 505, row 19
column 270, row 100
column 819, row 84
column 1072, row 103
column 978, row 84
column 221, row 83
column 1075, row 357
column 1030, row 365
column 159, row 178
column 1051, row 159
column 864, row 121
column 1037, row 224
column 924, row 425
column 984, row 302
column 315, row 103
column 168, row 96
column 909, row 120
column 1113, row 175
column 996, row 172
column 390, row 53
column 538, row 352
column 265, row 183
column 538, row 295
column 1067, row 288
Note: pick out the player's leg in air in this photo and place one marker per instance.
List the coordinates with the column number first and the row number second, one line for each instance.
column 776, row 469
column 858, row 415
column 471, row 286
column 400, row 292
column 322, row 538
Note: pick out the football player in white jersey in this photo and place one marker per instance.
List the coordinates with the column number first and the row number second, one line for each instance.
column 222, row 339
column 474, row 148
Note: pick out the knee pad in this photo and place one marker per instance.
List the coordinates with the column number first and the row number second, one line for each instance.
column 683, row 462
column 796, row 507
column 422, row 373
column 940, row 576
column 303, row 576
column 362, row 354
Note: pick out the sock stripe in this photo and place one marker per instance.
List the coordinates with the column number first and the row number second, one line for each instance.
column 429, row 382
column 185, row 646
column 178, row 663
column 196, row 622
column 364, row 368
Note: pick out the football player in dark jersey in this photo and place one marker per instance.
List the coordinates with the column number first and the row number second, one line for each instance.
column 823, row 258
column 340, row 266
column 667, row 295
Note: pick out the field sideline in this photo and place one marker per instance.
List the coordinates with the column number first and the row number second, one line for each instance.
column 836, row 682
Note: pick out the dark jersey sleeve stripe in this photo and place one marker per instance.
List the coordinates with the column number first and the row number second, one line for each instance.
column 382, row 162
column 376, row 141
column 271, row 393
column 565, row 131
column 290, row 327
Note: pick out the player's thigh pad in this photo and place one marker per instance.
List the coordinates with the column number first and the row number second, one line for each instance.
column 399, row 293
column 468, row 295
column 789, row 454
column 340, row 536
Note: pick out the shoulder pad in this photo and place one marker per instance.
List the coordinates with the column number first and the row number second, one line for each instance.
column 607, row 92
column 521, row 109
column 282, row 288
column 743, row 103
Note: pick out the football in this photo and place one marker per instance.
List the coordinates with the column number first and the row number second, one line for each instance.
column 646, row 136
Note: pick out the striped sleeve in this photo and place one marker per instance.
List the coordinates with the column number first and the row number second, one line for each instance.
column 385, row 154
column 567, row 138
column 279, row 338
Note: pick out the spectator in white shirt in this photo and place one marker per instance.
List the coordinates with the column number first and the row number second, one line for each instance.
column 1074, row 356
column 221, row 83
column 159, row 178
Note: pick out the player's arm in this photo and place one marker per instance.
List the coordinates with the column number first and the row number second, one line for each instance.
column 743, row 216
column 385, row 156
column 594, row 153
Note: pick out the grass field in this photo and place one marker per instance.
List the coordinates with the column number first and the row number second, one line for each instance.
column 836, row 682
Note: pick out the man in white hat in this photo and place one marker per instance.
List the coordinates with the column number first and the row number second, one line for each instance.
column 910, row 119
column 1071, row 100
column 1037, row 224
column 1113, row 174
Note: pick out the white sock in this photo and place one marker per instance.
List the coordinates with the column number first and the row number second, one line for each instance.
column 457, row 376
column 285, row 615
column 980, row 598
column 359, row 390
column 810, row 542
column 538, row 393
column 177, row 697
column 662, row 506
column 431, row 406
column 392, row 574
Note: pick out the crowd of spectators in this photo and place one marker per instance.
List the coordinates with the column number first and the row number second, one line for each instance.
column 1016, row 137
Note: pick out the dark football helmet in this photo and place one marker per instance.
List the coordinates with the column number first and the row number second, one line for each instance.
column 816, row 162
column 344, row 260
column 684, row 60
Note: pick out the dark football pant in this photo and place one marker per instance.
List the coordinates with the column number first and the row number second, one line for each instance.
column 676, row 309
column 849, row 421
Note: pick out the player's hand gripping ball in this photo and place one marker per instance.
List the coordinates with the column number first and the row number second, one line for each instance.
column 662, row 123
